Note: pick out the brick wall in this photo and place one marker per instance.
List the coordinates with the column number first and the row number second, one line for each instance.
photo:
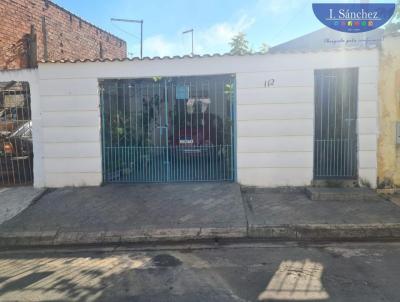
column 32, row 30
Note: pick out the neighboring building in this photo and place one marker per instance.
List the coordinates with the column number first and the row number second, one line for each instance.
column 33, row 30
column 389, row 113
column 329, row 39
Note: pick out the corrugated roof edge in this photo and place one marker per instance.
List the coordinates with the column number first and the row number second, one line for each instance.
column 192, row 57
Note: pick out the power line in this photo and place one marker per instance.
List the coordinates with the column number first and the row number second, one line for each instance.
column 141, row 30
column 125, row 31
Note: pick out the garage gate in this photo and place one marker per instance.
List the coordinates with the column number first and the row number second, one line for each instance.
column 171, row 129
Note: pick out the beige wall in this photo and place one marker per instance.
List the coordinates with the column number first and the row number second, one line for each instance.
column 389, row 90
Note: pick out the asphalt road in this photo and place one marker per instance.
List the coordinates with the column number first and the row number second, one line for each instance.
column 236, row 272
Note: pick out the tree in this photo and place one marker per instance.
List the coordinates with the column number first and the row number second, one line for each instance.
column 264, row 48
column 394, row 24
column 239, row 44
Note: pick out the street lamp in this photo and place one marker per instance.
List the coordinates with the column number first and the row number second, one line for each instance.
column 141, row 31
column 189, row 31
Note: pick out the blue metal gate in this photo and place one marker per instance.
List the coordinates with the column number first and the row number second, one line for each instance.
column 168, row 129
column 335, row 127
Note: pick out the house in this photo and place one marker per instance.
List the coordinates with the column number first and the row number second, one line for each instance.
column 285, row 118
column 42, row 30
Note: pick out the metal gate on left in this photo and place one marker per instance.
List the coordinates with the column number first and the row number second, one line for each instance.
column 171, row 129
column 16, row 152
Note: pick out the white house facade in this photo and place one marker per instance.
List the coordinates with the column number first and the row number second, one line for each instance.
column 279, row 107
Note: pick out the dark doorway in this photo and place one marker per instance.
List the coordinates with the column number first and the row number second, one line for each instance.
column 335, row 127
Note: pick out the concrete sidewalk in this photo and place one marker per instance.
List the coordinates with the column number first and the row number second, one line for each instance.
column 130, row 213
column 287, row 213
column 178, row 212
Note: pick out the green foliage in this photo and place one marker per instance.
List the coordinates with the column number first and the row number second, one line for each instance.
column 229, row 89
column 239, row 44
column 394, row 24
column 123, row 128
column 264, row 48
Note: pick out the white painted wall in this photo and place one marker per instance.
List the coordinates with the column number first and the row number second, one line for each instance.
column 274, row 125
column 31, row 76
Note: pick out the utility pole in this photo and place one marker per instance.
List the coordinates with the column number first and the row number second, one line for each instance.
column 141, row 31
column 189, row 31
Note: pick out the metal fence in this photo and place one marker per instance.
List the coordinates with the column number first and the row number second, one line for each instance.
column 335, row 136
column 16, row 153
column 168, row 129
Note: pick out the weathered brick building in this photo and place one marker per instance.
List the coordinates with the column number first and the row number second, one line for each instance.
column 32, row 30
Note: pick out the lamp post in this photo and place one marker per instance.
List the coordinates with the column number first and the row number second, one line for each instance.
column 189, row 31
column 141, row 31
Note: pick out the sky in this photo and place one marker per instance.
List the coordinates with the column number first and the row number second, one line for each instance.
column 214, row 22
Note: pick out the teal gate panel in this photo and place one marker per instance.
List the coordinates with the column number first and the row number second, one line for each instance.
column 335, row 123
column 168, row 129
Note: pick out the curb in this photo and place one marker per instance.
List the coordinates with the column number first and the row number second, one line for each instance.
column 59, row 238
column 327, row 232
column 302, row 232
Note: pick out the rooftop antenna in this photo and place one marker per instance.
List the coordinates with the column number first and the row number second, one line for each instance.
column 141, row 31
column 189, row 31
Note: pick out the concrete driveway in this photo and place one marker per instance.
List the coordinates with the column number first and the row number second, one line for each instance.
column 147, row 210
column 14, row 200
